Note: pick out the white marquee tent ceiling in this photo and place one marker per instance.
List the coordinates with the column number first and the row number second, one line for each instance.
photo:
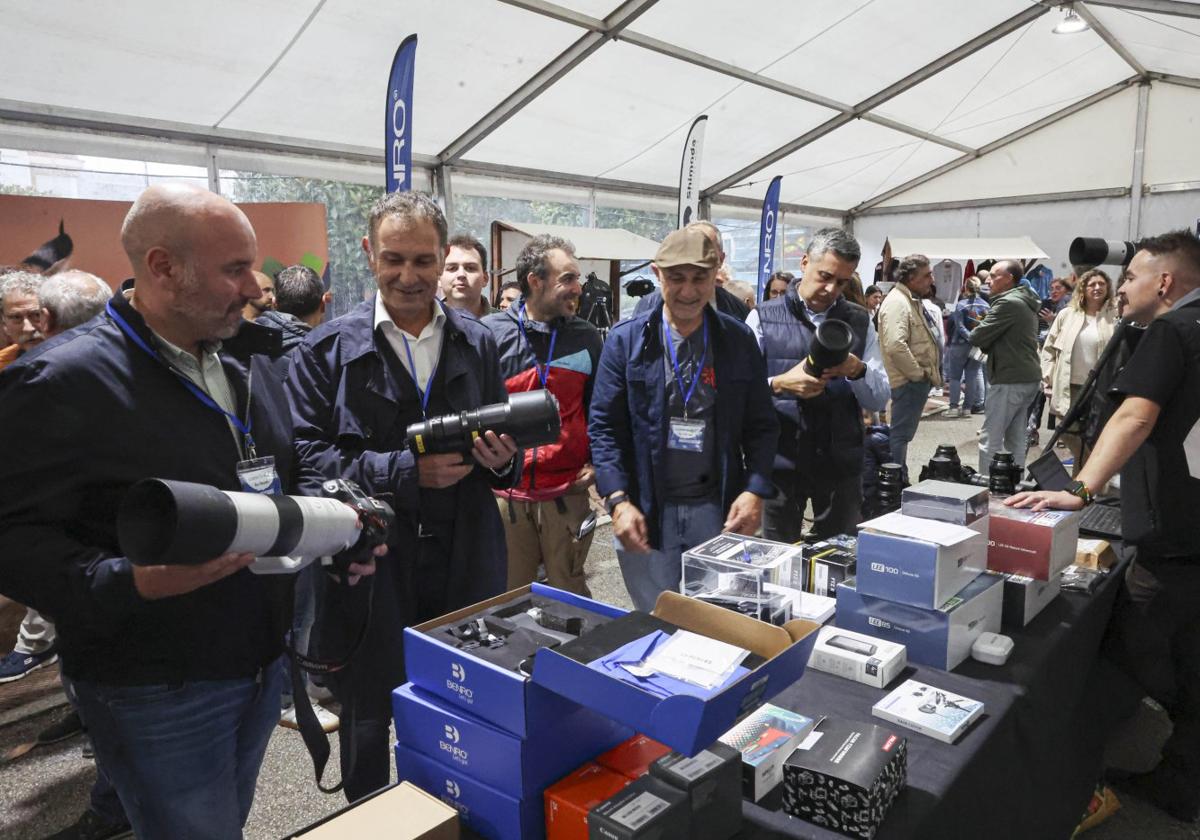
column 853, row 101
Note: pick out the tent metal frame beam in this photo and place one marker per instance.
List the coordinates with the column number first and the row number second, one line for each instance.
column 1138, row 174
column 1036, row 198
column 1012, row 137
column 567, row 60
column 1171, row 187
column 1100, row 29
column 1185, row 81
column 674, row 51
column 1157, row 7
column 892, row 91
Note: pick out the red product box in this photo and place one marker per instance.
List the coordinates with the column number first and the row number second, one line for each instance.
column 1038, row 545
column 569, row 800
column 632, row 759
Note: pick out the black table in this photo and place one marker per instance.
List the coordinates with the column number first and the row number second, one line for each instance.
column 1026, row 769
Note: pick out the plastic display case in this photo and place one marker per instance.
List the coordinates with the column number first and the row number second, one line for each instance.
column 733, row 572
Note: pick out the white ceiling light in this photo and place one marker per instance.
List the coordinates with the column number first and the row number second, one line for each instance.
column 1071, row 23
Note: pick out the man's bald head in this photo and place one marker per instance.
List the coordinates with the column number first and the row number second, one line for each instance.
column 172, row 217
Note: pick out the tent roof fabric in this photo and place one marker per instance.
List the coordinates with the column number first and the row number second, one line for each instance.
column 605, row 90
column 593, row 243
column 966, row 248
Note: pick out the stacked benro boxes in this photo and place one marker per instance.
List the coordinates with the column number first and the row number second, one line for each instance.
column 921, row 575
column 488, row 741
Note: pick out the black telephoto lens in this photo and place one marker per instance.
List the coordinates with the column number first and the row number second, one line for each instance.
column 891, row 485
column 1003, row 474
column 948, row 450
column 531, row 418
column 942, row 468
column 830, row 346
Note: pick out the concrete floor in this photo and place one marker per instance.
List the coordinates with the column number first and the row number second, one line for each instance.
column 47, row 789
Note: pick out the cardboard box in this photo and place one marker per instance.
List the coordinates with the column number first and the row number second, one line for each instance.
column 713, row 784
column 481, row 808
column 1025, row 597
column 398, row 812
column 921, row 562
column 847, row 778
column 765, row 738
column 569, row 800
column 1094, row 554
column 826, row 568
column 481, row 688
column 941, row 637
column 686, row 722
column 857, row 657
column 946, row 501
column 1035, row 544
column 648, row 809
column 632, row 759
column 511, row 765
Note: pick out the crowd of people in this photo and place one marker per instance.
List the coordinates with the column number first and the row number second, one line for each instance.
column 697, row 415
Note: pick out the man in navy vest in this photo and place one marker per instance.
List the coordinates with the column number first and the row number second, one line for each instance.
column 820, row 454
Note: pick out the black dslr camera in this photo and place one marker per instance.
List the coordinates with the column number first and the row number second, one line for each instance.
column 1003, row 476
column 376, row 518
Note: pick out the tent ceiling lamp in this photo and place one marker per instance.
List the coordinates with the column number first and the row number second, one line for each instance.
column 1071, row 23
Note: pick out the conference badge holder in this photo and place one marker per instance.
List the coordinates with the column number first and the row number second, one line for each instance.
column 686, row 435
column 258, row 475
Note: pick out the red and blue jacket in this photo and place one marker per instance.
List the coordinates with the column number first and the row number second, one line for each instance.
column 524, row 362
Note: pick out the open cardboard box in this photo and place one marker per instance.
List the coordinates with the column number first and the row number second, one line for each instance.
column 684, row 722
column 399, row 812
column 481, row 688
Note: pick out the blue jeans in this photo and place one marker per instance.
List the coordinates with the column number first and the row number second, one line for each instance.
column 1005, row 414
column 184, row 758
column 958, row 363
column 684, row 526
column 908, row 403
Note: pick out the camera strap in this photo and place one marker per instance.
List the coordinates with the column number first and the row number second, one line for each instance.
column 315, row 738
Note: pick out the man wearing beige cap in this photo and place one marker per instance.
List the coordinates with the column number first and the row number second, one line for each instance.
column 682, row 427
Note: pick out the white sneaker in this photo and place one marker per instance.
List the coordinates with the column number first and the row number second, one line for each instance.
column 328, row 720
column 318, row 693
column 951, row 414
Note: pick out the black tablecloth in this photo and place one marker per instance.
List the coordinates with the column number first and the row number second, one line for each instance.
column 1026, row 769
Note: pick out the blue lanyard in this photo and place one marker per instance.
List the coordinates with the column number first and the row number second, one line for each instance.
column 412, row 369
column 196, row 392
column 543, row 371
column 696, row 371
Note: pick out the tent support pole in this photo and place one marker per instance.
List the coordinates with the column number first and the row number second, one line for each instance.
column 1139, row 163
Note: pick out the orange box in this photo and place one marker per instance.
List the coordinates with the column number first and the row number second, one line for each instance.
column 570, row 798
column 633, row 758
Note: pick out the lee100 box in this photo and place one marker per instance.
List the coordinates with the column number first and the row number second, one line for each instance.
column 921, row 562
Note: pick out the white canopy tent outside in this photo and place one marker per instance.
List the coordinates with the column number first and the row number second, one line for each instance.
column 867, row 108
column 943, row 252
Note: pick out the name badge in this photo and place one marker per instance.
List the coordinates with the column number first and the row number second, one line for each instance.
column 686, row 435
column 259, row 476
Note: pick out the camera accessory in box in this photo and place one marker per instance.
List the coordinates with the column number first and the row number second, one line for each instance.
column 845, row 776
column 958, row 504
column 921, row 562
column 713, row 784
column 689, row 719
column 633, row 758
column 1094, row 554
column 435, row 661
column 1037, row 544
column 402, row 812
column 931, row 711
column 481, row 808
column 765, row 738
column 512, row 765
column 939, row 637
column 648, row 809
column 827, row 567
column 806, row 605
column 1025, row 597
column 569, row 800
column 773, row 561
column 731, row 571
column 857, row 657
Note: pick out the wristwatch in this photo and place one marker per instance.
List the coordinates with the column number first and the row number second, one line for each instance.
column 613, row 499
column 1078, row 488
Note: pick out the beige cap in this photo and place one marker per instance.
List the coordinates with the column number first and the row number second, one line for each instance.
column 688, row 246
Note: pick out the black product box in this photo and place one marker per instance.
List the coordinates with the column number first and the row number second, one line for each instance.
column 848, row 778
column 648, row 809
column 713, row 782
column 825, row 568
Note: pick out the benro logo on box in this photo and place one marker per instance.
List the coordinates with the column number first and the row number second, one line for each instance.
column 884, row 569
column 455, row 685
column 879, row 622
column 452, row 789
column 449, row 745
column 451, row 733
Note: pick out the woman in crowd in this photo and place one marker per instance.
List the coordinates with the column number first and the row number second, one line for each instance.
column 874, row 296
column 778, row 285
column 960, row 360
column 1076, row 338
column 853, row 291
